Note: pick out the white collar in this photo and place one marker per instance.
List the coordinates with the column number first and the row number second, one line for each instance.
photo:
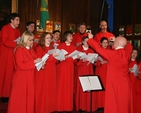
column 12, row 26
column 47, row 45
column 27, row 47
column 68, row 44
column 119, row 48
column 132, row 59
column 85, row 48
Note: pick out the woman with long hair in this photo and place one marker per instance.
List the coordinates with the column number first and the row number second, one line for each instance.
column 22, row 94
column 45, row 90
column 135, row 80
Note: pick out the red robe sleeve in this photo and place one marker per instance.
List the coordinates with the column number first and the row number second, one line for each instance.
column 8, row 35
column 106, row 53
column 40, row 53
column 21, row 62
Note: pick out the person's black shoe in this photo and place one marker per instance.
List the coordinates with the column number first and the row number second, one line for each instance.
column 100, row 109
column 81, row 111
column 4, row 99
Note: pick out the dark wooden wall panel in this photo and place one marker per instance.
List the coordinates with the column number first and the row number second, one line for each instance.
column 64, row 11
column 27, row 11
column 138, row 12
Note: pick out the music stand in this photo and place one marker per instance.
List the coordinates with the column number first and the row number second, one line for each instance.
column 91, row 83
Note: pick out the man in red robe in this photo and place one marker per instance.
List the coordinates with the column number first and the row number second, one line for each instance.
column 56, row 38
column 118, row 98
column 103, row 32
column 31, row 26
column 9, row 34
column 77, row 37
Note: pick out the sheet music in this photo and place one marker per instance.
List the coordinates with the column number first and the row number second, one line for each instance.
column 91, row 57
column 83, row 56
column 135, row 70
column 39, row 64
column 101, row 60
column 55, row 45
column 61, row 53
column 53, row 51
column 74, row 54
column 89, row 83
column 17, row 40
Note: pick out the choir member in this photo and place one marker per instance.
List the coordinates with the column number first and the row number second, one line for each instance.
column 139, row 56
column 135, row 81
column 65, row 76
column 83, row 69
column 31, row 26
column 103, row 32
column 118, row 96
column 101, row 71
column 77, row 37
column 56, row 37
column 45, row 89
column 9, row 34
column 22, row 94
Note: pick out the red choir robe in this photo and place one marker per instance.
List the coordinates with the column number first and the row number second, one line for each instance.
column 22, row 93
column 101, row 34
column 45, row 84
column 77, row 38
column 58, row 42
column 8, row 35
column 101, row 71
column 83, row 98
column 0, row 42
column 139, row 75
column 65, row 80
column 136, row 88
column 118, row 97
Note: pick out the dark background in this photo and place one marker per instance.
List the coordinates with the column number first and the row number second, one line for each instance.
column 126, row 12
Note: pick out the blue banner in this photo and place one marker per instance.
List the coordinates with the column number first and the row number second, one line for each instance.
column 110, row 14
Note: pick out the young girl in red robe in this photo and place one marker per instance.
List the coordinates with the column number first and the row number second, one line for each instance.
column 22, row 94
column 135, row 81
column 82, row 69
column 45, row 90
column 101, row 70
column 65, row 76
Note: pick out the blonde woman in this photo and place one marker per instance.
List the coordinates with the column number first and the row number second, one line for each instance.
column 22, row 94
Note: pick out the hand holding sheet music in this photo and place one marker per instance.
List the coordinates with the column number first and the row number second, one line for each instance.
column 101, row 60
column 135, row 70
column 60, row 53
column 91, row 57
column 40, row 64
column 74, row 54
column 17, row 40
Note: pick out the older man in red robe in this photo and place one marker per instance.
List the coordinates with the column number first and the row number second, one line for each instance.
column 103, row 32
column 118, row 98
column 77, row 37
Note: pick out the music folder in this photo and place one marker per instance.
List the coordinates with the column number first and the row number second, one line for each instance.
column 90, row 83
